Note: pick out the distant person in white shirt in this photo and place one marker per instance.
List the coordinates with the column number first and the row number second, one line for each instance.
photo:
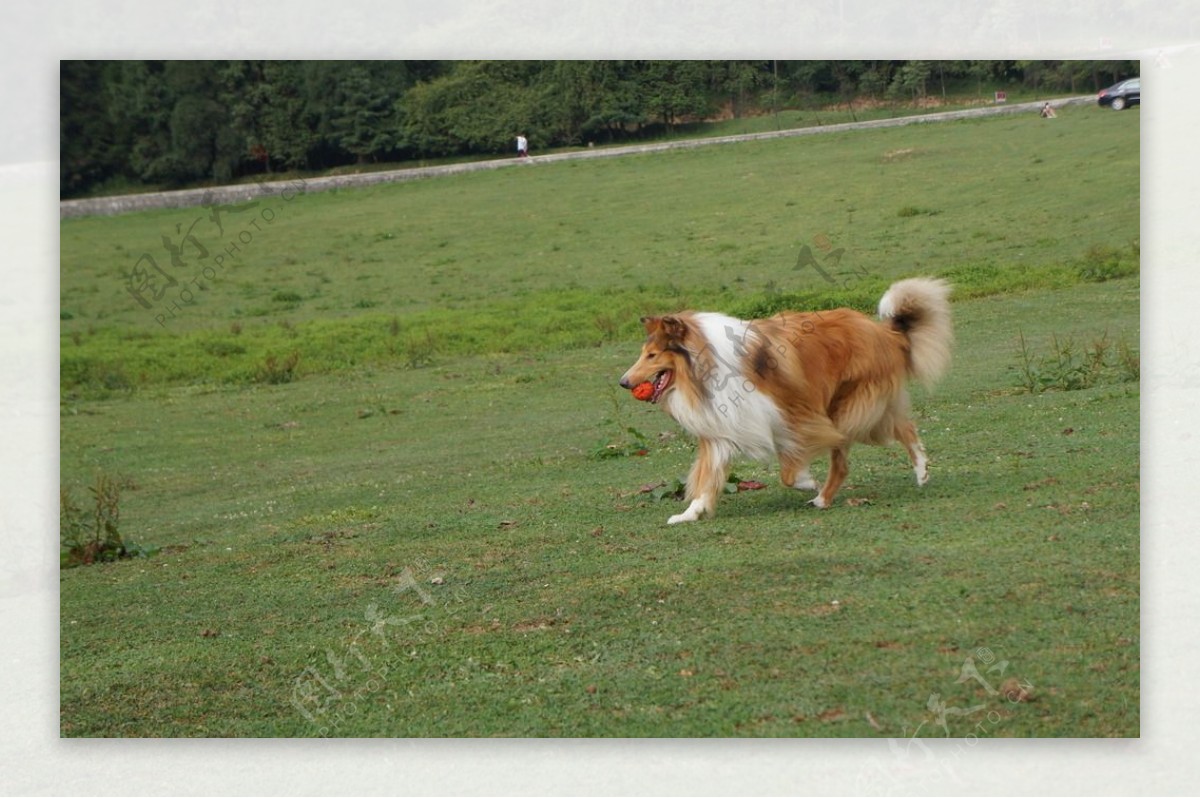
column 522, row 147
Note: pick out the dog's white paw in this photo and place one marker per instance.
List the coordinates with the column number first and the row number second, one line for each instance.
column 817, row 501
column 685, row 516
column 694, row 512
column 921, row 467
column 804, row 482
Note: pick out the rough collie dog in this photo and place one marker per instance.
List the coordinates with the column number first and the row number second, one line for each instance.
column 795, row 385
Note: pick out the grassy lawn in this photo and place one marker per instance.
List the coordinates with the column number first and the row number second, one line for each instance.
column 570, row 255
column 433, row 524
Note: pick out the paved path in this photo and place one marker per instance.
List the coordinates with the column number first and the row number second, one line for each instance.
column 227, row 195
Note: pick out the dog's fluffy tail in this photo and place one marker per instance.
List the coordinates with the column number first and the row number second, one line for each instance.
column 920, row 308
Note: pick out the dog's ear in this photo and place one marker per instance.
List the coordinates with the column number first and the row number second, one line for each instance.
column 674, row 329
column 670, row 327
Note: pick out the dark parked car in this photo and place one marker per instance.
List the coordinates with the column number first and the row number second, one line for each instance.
column 1122, row 95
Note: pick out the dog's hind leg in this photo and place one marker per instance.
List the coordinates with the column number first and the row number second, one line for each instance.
column 706, row 481
column 839, row 467
column 794, row 473
column 906, row 433
column 814, row 436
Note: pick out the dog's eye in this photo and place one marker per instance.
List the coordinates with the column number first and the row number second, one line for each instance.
column 651, row 355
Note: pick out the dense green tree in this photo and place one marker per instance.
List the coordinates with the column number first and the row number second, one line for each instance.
column 875, row 78
column 362, row 120
column 137, row 101
column 738, row 82
column 285, row 119
column 203, row 140
column 584, row 100
column 481, row 106
column 672, row 90
column 911, row 80
column 169, row 123
column 611, row 100
column 91, row 147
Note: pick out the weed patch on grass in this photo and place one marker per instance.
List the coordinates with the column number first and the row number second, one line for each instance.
column 91, row 536
column 1101, row 263
column 1068, row 366
column 277, row 370
column 909, row 211
column 621, row 439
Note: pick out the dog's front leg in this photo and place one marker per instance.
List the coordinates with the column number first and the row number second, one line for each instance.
column 695, row 511
column 705, row 482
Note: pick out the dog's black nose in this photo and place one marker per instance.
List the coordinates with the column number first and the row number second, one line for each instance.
column 625, row 383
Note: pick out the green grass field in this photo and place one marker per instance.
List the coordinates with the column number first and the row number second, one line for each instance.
column 395, row 491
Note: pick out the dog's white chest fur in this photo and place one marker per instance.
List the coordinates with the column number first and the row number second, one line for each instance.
column 736, row 412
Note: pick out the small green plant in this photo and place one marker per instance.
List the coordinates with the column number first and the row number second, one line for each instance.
column 909, row 211
column 1130, row 362
column 90, row 537
column 96, row 375
column 630, row 442
column 1067, row 367
column 277, row 370
column 1101, row 263
column 675, row 489
column 419, row 349
column 608, row 325
column 626, row 440
column 1027, row 373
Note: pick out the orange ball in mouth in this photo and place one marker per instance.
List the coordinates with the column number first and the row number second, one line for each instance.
column 643, row 392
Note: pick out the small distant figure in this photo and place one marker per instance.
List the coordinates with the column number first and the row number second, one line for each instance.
column 1048, row 112
column 522, row 147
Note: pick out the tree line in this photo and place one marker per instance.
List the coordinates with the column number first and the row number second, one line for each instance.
column 125, row 124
